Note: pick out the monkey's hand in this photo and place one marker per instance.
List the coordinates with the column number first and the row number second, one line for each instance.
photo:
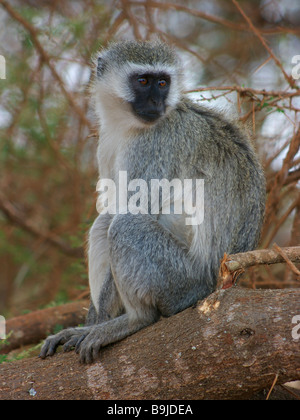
column 90, row 343
column 68, row 338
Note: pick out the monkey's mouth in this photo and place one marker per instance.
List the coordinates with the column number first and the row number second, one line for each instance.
column 149, row 117
column 148, row 114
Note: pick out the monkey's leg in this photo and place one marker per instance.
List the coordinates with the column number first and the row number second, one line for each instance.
column 98, row 256
column 105, row 302
column 104, row 295
column 152, row 268
column 153, row 274
column 70, row 337
column 104, row 306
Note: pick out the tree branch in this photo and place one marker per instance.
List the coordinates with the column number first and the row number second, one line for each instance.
column 16, row 217
column 45, row 57
column 35, row 326
column 233, row 265
column 257, row 33
column 210, row 18
column 231, row 345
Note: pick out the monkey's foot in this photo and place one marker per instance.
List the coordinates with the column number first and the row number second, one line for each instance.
column 68, row 338
column 89, row 345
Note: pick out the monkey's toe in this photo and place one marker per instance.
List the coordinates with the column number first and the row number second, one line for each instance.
column 71, row 344
column 50, row 346
column 89, row 349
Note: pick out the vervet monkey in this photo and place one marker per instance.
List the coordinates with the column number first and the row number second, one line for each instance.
column 143, row 266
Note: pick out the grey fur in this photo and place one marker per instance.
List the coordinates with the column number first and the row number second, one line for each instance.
column 145, row 266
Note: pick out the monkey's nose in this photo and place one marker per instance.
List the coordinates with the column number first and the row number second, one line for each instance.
column 158, row 106
column 156, row 101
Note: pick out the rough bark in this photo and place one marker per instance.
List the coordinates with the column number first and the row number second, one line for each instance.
column 35, row 326
column 231, row 345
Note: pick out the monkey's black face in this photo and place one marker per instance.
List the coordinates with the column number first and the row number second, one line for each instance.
column 150, row 94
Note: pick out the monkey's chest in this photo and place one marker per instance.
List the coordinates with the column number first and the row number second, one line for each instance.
column 149, row 158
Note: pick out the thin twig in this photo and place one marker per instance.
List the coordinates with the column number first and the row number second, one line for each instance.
column 46, row 59
column 287, row 260
column 288, row 78
column 210, row 18
column 16, row 217
column 273, row 384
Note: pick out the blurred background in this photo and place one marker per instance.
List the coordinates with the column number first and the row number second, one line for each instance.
column 240, row 57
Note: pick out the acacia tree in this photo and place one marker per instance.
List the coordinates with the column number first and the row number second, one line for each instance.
column 241, row 58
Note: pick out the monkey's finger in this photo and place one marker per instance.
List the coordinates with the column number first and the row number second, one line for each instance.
column 50, row 346
column 96, row 349
column 43, row 352
column 79, row 341
column 70, row 345
column 86, row 353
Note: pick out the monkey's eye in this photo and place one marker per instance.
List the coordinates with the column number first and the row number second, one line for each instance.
column 162, row 83
column 143, row 80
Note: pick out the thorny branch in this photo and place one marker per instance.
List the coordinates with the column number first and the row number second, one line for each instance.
column 16, row 217
column 257, row 33
column 46, row 59
column 207, row 16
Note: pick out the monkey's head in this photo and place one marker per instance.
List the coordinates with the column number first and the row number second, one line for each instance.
column 140, row 80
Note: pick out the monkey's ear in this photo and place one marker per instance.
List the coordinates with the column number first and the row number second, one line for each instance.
column 100, row 66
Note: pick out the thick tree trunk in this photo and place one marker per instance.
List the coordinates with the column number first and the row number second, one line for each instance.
column 231, row 345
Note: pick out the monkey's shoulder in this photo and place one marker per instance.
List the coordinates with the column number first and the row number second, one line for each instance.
column 209, row 128
column 207, row 118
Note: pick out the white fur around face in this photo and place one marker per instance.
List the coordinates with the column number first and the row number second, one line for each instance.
column 117, row 127
column 114, row 111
